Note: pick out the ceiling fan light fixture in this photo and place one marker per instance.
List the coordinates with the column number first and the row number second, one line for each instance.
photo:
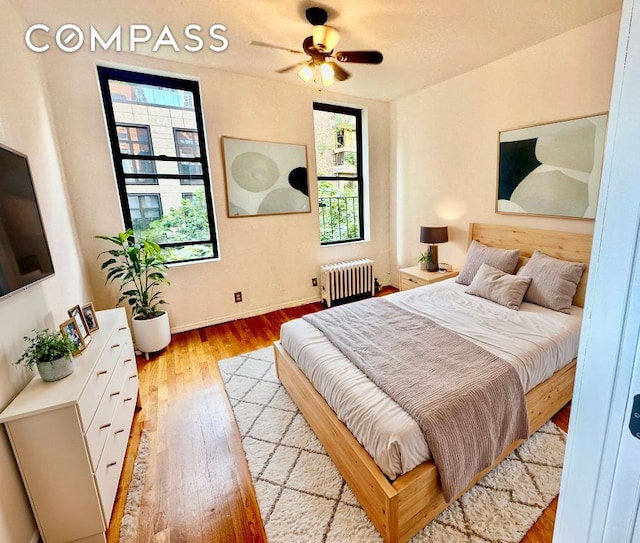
column 327, row 74
column 325, row 38
column 306, row 72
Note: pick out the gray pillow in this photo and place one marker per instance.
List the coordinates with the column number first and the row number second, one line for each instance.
column 499, row 287
column 553, row 281
column 479, row 254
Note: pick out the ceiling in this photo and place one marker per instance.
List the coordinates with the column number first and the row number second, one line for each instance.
column 424, row 42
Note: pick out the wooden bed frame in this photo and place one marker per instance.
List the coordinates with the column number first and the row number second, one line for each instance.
column 401, row 508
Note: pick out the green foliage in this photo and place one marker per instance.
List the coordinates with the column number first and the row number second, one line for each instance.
column 425, row 257
column 140, row 269
column 339, row 211
column 45, row 346
column 187, row 222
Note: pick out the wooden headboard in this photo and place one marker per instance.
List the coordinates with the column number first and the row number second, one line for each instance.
column 564, row 245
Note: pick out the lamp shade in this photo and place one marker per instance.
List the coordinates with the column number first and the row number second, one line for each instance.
column 434, row 234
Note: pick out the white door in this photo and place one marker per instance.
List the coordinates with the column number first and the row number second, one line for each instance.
column 600, row 489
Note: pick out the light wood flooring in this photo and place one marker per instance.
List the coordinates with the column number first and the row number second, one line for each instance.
column 198, row 487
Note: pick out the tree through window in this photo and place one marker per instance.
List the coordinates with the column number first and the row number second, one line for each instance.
column 338, row 138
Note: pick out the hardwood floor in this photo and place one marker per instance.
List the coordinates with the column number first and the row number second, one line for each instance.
column 198, row 487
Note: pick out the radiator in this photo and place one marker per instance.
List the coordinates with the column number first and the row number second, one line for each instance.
column 347, row 281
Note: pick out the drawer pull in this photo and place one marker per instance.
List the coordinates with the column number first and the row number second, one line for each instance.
column 111, row 464
column 115, row 346
column 127, row 360
column 412, row 280
column 128, row 399
column 122, row 329
column 115, row 394
column 118, row 432
column 104, row 426
column 103, row 372
column 132, row 376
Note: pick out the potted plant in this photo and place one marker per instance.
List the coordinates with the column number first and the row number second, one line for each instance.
column 425, row 260
column 50, row 352
column 139, row 268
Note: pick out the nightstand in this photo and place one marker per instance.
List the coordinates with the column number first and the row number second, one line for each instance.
column 415, row 277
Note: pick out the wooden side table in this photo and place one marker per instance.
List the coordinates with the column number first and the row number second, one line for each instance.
column 415, row 277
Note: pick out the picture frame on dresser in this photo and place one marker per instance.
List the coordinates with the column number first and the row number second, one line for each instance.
column 76, row 314
column 70, row 329
column 90, row 317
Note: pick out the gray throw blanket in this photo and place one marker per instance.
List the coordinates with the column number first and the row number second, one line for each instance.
column 469, row 403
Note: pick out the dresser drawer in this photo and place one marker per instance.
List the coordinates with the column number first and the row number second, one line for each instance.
column 110, row 465
column 101, row 375
column 407, row 282
column 100, row 426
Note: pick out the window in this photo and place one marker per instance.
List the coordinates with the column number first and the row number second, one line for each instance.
column 187, row 145
column 136, row 140
column 338, row 138
column 145, row 208
column 141, row 109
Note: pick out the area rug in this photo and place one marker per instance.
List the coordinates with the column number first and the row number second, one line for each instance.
column 129, row 522
column 302, row 497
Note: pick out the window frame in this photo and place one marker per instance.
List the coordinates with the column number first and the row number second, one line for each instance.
column 106, row 74
column 138, row 195
column 357, row 113
column 131, row 181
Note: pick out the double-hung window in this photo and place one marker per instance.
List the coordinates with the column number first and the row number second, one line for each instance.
column 156, row 132
column 338, row 141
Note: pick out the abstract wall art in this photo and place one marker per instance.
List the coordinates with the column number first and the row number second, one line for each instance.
column 264, row 178
column 552, row 169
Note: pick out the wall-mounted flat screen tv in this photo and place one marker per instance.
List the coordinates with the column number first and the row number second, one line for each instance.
column 24, row 252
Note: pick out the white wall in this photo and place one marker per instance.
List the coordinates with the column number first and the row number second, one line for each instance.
column 25, row 125
column 271, row 259
column 445, row 138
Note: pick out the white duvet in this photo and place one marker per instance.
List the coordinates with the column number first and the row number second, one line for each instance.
column 535, row 340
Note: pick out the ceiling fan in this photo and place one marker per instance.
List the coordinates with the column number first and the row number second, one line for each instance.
column 320, row 47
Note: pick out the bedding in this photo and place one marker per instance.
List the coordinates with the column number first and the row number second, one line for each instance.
column 500, row 287
column 478, row 254
column 553, row 281
column 536, row 341
column 468, row 403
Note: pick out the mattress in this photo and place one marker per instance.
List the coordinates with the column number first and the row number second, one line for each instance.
column 536, row 341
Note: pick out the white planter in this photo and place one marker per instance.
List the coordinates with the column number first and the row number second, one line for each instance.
column 55, row 370
column 152, row 335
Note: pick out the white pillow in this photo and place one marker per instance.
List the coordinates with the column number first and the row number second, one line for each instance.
column 499, row 287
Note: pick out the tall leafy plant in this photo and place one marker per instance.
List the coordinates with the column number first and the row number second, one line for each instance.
column 139, row 268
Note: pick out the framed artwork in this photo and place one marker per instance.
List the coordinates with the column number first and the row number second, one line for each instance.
column 552, row 169
column 264, row 178
column 90, row 318
column 76, row 314
column 70, row 329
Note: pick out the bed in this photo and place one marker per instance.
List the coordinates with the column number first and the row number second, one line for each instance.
column 399, row 506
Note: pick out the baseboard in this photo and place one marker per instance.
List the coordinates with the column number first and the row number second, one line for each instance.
column 244, row 315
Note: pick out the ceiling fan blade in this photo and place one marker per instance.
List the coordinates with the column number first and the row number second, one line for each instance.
column 263, row 44
column 339, row 72
column 292, row 67
column 363, row 57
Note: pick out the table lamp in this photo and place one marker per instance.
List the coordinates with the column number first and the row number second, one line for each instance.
column 433, row 235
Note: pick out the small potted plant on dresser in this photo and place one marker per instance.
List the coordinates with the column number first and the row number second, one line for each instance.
column 50, row 352
column 425, row 260
column 140, row 269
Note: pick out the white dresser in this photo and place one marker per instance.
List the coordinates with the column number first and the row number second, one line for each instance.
column 70, row 436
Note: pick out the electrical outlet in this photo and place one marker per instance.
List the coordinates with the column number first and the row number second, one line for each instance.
column 314, row 281
column 237, row 296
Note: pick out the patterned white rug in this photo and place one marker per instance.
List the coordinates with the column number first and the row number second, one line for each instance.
column 302, row 496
